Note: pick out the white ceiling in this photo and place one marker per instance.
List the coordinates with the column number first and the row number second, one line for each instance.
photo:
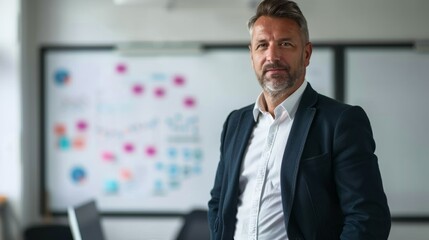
column 190, row 3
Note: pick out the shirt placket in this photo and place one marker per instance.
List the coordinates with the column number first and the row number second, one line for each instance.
column 260, row 180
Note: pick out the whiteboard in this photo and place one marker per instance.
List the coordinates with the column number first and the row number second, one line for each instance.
column 391, row 85
column 141, row 134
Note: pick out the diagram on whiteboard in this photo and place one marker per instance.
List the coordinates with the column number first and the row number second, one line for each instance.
column 144, row 154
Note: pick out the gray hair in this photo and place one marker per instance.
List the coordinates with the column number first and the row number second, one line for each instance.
column 281, row 9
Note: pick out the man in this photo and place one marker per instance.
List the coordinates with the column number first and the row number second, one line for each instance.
column 296, row 164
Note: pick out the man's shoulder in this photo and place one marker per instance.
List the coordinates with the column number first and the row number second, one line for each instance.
column 330, row 104
column 246, row 108
column 237, row 114
column 240, row 111
column 332, row 109
column 311, row 98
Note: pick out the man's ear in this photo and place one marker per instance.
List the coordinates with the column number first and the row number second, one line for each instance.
column 308, row 50
column 250, row 53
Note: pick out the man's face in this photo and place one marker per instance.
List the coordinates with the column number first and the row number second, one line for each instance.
column 279, row 54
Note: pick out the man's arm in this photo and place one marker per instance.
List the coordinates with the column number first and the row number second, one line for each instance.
column 213, row 204
column 358, row 179
column 215, row 199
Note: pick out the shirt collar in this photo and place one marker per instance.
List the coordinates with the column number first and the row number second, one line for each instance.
column 290, row 104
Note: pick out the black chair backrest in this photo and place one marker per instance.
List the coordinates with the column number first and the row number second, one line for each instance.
column 48, row 232
column 195, row 227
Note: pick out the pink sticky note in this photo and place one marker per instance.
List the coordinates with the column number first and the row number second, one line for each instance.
column 81, row 125
column 179, row 80
column 138, row 89
column 129, row 147
column 159, row 92
column 108, row 156
column 150, row 151
column 121, row 68
column 189, row 102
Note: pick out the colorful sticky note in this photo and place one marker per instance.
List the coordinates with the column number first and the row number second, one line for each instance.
column 128, row 147
column 121, row 68
column 108, row 156
column 172, row 153
column 64, row 143
column 150, row 151
column 174, row 184
column 79, row 143
column 158, row 186
column 178, row 80
column 189, row 102
column 159, row 76
column 62, row 77
column 197, row 169
column 59, row 129
column 126, row 174
column 173, row 170
column 187, row 154
column 198, row 154
column 159, row 92
column 111, row 186
column 159, row 166
column 81, row 125
column 138, row 89
column 78, row 174
column 187, row 171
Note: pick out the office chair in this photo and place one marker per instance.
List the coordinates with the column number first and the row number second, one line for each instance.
column 48, row 232
column 195, row 227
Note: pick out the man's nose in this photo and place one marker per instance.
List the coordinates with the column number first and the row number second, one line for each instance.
column 272, row 53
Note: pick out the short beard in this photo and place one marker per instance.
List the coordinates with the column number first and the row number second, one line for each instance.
column 278, row 84
column 278, row 90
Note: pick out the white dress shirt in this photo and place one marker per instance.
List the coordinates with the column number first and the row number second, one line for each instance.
column 260, row 211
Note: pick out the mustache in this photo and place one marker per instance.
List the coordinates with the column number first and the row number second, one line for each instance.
column 275, row 65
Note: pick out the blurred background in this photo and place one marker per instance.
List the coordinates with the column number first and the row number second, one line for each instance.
column 379, row 49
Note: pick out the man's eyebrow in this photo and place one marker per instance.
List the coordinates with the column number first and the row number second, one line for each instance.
column 261, row 40
column 284, row 39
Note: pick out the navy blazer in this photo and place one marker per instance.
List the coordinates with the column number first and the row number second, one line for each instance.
column 331, row 186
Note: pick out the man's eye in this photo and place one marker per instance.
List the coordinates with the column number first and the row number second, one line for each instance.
column 285, row 44
column 261, row 45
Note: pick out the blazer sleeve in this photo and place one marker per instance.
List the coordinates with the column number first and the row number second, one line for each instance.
column 358, row 178
column 216, row 191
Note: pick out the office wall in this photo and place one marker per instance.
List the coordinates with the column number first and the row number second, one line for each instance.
column 10, row 124
column 101, row 22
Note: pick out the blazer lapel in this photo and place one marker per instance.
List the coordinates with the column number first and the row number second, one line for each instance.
column 244, row 130
column 294, row 147
column 240, row 140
